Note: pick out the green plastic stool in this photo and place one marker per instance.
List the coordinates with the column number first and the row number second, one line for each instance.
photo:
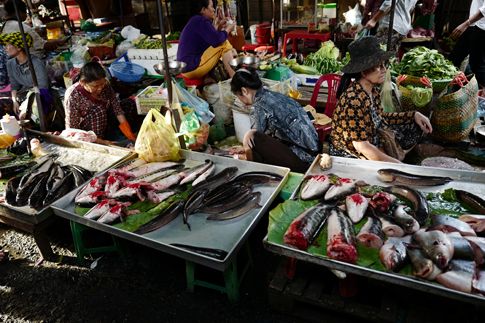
column 81, row 251
column 231, row 279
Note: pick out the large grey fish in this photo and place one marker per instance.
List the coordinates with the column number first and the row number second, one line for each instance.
column 476, row 221
column 304, row 229
column 26, row 185
column 448, row 224
column 205, row 175
column 371, row 235
column 315, row 186
column 155, row 176
column 459, row 276
column 250, row 204
column 399, row 215
column 193, row 203
column 163, row 219
column 341, row 237
column 393, row 253
column 149, row 168
column 191, row 174
column 356, row 204
column 11, row 190
column 129, row 165
column 462, row 247
column 422, row 266
column 389, row 175
column 258, row 178
column 421, row 208
column 224, row 192
column 436, row 245
column 218, row 179
column 38, row 193
column 224, row 205
column 343, row 187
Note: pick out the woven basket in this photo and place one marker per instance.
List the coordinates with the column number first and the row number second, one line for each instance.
column 455, row 114
column 407, row 103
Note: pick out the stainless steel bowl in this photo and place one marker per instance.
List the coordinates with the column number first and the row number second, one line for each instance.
column 480, row 133
column 174, row 67
column 245, row 61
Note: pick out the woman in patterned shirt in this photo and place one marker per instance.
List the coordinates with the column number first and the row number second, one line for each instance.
column 359, row 114
column 88, row 102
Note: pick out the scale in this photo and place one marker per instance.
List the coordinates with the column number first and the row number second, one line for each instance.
column 174, row 68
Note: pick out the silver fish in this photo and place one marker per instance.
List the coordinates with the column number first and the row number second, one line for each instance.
column 89, row 199
column 159, row 197
column 462, row 247
column 204, row 175
column 114, row 213
column 356, row 205
column 476, row 221
column 341, row 237
column 448, row 224
column 371, row 234
column 391, row 229
column 404, row 219
column 393, row 253
column 343, row 187
column 478, row 246
column 150, row 168
column 436, row 245
column 459, row 276
column 129, row 165
column 315, row 186
column 395, row 176
column 99, row 209
column 422, row 266
column 113, row 183
column 191, row 174
column 167, row 182
column 94, row 185
column 251, row 204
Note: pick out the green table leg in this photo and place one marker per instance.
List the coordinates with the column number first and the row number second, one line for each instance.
column 190, row 275
column 231, row 282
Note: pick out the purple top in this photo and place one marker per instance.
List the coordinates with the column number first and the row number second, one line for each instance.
column 198, row 35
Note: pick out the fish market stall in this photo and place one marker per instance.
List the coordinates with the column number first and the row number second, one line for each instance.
column 62, row 165
column 201, row 209
column 418, row 227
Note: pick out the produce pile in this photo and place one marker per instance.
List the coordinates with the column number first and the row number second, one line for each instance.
column 394, row 228
column 326, row 59
column 421, row 61
column 142, row 197
column 145, row 42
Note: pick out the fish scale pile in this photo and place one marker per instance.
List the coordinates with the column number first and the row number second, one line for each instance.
column 448, row 251
column 44, row 182
column 222, row 196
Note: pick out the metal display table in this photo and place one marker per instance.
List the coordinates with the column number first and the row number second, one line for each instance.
column 229, row 235
column 473, row 182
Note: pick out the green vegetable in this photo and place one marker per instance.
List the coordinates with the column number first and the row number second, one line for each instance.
column 325, row 60
column 304, row 69
column 421, row 96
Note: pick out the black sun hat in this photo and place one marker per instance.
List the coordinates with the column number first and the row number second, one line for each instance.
column 365, row 53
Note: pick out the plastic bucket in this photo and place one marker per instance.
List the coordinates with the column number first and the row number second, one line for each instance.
column 242, row 123
column 252, row 32
column 263, row 34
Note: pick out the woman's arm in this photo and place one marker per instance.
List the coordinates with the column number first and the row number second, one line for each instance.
column 464, row 26
column 371, row 152
column 210, row 34
column 73, row 116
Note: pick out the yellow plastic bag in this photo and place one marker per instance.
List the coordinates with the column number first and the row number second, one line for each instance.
column 156, row 139
column 6, row 140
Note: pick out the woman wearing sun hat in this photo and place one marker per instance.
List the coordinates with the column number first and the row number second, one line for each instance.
column 359, row 114
column 19, row 71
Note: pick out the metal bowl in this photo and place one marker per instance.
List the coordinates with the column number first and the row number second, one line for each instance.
column 480, row 133
column 245, row 61
column 174, row 67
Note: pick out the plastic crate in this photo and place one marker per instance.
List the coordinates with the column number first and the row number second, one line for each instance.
column 149, row 99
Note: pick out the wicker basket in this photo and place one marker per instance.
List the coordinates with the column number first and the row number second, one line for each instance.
column 407, row 103
column 454, row 114
column 147, row 99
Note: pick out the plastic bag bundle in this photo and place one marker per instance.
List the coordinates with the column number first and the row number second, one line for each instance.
column 200, row 106
column 386, row 94
column 156, row 139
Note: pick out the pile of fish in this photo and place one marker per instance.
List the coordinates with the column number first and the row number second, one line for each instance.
column 44, row 182
column 440, row 248
column 222, row 196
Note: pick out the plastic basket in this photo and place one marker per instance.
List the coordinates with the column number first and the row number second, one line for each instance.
column 148, row 99
column 126, row 71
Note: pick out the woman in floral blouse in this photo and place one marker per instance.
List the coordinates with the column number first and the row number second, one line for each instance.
column 359, row 114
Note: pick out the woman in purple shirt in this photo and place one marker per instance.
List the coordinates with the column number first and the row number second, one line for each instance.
column 202, row 45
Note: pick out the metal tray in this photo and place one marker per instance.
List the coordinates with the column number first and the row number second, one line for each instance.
column 32, row 216
column 470, row 181
column 227, row 235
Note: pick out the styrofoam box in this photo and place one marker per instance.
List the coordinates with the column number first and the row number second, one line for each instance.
column 309, row 80
column 149, row 57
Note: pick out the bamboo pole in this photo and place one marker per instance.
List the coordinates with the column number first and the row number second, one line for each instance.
column 391, row 25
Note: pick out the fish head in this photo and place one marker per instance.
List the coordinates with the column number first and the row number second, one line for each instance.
column 385, row 176
column 441, row 253
column 423, row 268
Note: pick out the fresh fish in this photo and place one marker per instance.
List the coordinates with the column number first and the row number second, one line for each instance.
column 224, row 192
column 314, row 187
column 476, row 221
column 258, row 178
column 448, row 224
column 393, row 253
column 304, row 229
column 193, row 203
column 205, row 175
column 341, row 237
column 129, row 192
column 42, row 167
column 371, row 235
column 462, row 248
column 86, row 174
column 478, row 283
column 55, row 178
column 422, row 266
column 149, row 168
column 389, row 175
column 225, row 205
column 399, row 215
column 209, row 252
column 113, row 184
column 436, row 245
column 167, row 182
column 129, row 165
column 478, row 246
column 158, row 197
column 78, row 176
column 356, row 205
column 381, row 202
column 218, row 179
column 26, row 185
column 38, row 193
column 421, row 208
column 459, row 277
column 99, row 209
column 343, row 187
column 471, row 200
column 191, row 174
column 155, row 176
column 391, row 229
column 13, row 170
column 115, row 213
column 94, row 185
column 251, row 203
column 11, row 190
column 167, row 216
column 65, row 186
column 90, row 199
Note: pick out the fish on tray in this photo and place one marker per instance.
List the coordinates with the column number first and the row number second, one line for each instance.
column 304, row 229
column 90, row 199
column 422, row 266
column 315, row 186
column 167, row 216
column 476, row 221
column 448, row 224
column 94, row 185
column 115, row 213
column 341, row 237
column 393, row 253
column 471, row 200
column 420, row 205
column 459, row 276
column 214, row 181
column 191, row 174
column 258, row 178
column 356, row 205
column 462, row 248
column 371, row 235
column 436, row 245
column 343, row 187
column 390, row 228
column 215, row 206
column 478, row 246
column 400, row 216
column 389, row 175
column 246, row 205
column 193, row 203
column 158, row 197
column 205, row 175
column 99, row 209
column 150, row 168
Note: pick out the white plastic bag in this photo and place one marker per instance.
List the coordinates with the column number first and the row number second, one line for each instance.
column 130, row 33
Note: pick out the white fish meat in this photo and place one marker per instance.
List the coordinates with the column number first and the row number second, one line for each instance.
column 371, row 235
column 158, row 197
column 202, row 177
column 167, row 182
column 341, row 237
column 448, row 224
column 314, row 187
column 356, row 205
column 391, row 229
column 343, row 187
column 460, row 276
column 99, row 209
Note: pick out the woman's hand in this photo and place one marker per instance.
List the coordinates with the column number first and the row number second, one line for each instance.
column 423, row 122
column 221, row 24
column 230, row 27
column 460, row 29
column 371, row 152
column 370, row 24
column 16, row 106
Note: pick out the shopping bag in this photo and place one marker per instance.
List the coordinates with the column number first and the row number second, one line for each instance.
column 156, row 139
column 200, row 106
